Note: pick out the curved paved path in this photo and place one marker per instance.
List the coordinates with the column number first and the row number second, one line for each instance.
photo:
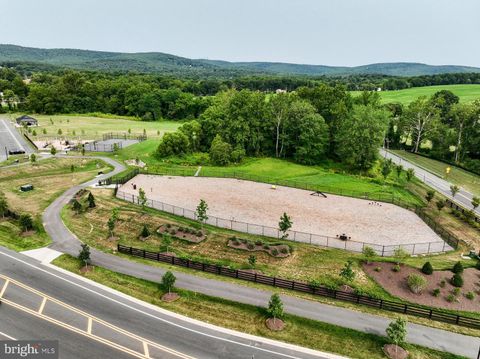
column 66, row 242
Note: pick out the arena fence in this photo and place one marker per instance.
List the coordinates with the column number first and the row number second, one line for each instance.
column 296, row 236
column 387, row 305
column 124, row 136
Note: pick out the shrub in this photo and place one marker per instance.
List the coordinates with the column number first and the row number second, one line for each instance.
column 470, row 295
column 258, row 243
column 250, row 246
column 440, row 204
column 442, row 283
column 368, row 252
column 427, row 268
column 377, row 269
column 284, row 250
column 396, row 268
column 451, row 298
column 173, row 232
column 456, row 291
column 436, row 292
column 458, row 268
column 199, row 233
column 26, row 222
column 457, row 280
column 477, row 265
column 275, row 252
column 416, row 283
column 145, row 232
column 314, row 284
column 220, row 151
column 266, row 246
column 168, row 225
column 347, row 272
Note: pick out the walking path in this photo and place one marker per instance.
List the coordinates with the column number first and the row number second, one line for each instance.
column 66, row 242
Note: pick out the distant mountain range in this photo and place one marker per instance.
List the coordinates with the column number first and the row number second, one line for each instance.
column 157, row 62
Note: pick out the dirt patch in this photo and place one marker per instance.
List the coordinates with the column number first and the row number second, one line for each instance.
column 275, row 250
column 184, row 233
column 275, row 325
column 86, row 269
column 170, row 297
column 396, row 284
column 394, row 351
column 27, row 233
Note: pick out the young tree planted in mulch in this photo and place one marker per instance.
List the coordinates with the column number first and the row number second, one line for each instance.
column 76, row 206
column 201, row 212
column 145, row 232
column 252, row 260
column 475, row 202
column 440, row 204
column 430, row 195
column 285, row 224
column 166, row 241
column 347, row 272
column 396, row 334
column 83, row 150
column 399, row 169
column 458, row 268
column 111, row 226
column 427, row 268
column 168, row 281
column 84, row 254
column 142, row 198
column 386, row 168
column 26, row 222
column 53, row 151
column 400, row 254
column 33, row 158
column 410, row 174
column 416, row 283
column 275, row 313
column 91, row 200
column 454, row 189
column 368, row 253
column 72, row 168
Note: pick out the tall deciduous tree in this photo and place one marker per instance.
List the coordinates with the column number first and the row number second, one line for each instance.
column 422, row 117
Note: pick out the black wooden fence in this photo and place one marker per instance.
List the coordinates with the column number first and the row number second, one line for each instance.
column 306, row 288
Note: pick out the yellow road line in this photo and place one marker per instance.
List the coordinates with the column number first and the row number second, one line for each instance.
column 90, row 319
column 4, row 287
column 42, row 306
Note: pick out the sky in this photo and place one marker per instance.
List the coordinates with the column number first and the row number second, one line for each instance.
column 322, row 32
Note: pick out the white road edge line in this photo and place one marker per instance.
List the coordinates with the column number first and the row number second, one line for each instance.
column 11, row 134
column 178, row 316
column 7, row 336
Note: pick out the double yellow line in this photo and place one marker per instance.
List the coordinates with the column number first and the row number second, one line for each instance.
column 147, row 344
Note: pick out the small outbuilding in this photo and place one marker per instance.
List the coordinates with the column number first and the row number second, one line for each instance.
column 27, row 120
column 26, row 187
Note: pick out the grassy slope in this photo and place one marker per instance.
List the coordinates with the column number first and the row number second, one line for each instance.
column 94, row 127
column 50, row 178
column 467, row 93
column 250, row 319
column 464, row 179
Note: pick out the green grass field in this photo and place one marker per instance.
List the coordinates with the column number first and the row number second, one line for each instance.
column 466, row 93
column 250, row 319
column 464, row 179
column 88, row 127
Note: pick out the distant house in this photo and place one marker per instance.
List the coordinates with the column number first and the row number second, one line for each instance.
column 27, row 120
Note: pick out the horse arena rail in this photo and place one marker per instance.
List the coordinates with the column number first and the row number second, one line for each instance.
column 296, row 236
column 387, row 305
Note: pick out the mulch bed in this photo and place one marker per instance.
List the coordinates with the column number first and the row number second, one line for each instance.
column 86, row 269
column 394, row 351
column 170, row 297
column 261, row 247
column 275, row 325
column 396, row 284
column 175, row 232
column 27, row 233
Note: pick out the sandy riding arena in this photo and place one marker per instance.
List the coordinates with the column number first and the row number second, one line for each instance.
column 258, row 203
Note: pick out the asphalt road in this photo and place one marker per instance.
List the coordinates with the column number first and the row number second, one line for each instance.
column 11, row 139
column 166, row 330
column 64, row 241
column 462, row 198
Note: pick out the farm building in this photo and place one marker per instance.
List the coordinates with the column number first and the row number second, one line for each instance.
column 27, row 120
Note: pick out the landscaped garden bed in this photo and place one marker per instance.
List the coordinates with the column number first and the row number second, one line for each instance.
column 275, row 250
column 185, row 233
column 438, row 290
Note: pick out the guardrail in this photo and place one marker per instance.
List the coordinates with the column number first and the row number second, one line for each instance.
column 387, row 305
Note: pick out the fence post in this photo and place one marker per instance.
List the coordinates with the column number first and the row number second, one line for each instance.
column 144, row 253
column 429, row 244
column 274, row 281
column 383, row 251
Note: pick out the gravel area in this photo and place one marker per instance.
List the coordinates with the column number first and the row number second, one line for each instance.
column 259, row 203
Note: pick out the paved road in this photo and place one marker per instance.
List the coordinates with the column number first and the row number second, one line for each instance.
column 163, row 329
column 11, row 139
column 463, row 198
column 66, row 242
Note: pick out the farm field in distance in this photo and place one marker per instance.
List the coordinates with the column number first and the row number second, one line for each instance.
column 462, row 178
column 89, row 127
column 466, row 93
